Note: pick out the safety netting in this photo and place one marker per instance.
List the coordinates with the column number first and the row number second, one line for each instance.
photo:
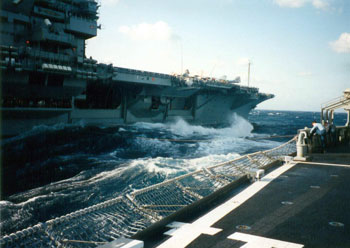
column 130, row 213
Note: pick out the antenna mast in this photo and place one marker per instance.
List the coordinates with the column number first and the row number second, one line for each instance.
column 182, row 58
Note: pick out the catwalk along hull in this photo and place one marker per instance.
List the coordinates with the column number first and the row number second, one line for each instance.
column 47, row 79
column 194, row 105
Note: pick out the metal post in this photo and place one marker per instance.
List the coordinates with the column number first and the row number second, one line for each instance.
column 302, row 148
column 332, row 117
column 348, row 119
column 194, row 107
column 125, row 107
column 182, row 57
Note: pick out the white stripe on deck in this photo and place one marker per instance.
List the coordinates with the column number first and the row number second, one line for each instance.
column 184, row 233
column 326, row 164
column 254, row 241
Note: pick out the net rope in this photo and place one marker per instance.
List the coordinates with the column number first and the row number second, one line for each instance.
column 128, row 214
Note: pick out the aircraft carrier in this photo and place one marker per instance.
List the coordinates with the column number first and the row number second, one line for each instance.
column 46, row 77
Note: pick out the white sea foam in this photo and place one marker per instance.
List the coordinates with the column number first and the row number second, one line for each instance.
column 106, row 174
column 5, row 203
column 209, row 140
column 175, row 166
column 166, row 166
column 147, row 125
column 240, row 127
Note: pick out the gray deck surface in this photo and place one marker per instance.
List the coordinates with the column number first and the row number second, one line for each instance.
column 317, row 195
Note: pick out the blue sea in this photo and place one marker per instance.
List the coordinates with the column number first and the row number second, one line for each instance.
column 54, row 170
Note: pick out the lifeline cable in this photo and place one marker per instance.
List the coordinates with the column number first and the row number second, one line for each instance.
column 208, row 140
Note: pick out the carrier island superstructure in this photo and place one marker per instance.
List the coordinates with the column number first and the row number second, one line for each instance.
column 47, row 79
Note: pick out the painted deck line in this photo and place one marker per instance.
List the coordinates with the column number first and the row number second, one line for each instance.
column 326, row 164
column 134, row 244
column 185, row 234
column 254, row 241
column 124, row 243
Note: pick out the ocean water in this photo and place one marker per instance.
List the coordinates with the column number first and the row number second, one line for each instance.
column 51, row 171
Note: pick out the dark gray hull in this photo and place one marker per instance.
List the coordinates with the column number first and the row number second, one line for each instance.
column 216, row 112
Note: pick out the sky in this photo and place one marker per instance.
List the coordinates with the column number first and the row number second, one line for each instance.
column 299, row 49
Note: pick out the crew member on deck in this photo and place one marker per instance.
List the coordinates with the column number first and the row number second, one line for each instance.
column 319, row 129
column 332, row 133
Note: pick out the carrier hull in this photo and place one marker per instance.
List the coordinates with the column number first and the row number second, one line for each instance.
column 217, row 112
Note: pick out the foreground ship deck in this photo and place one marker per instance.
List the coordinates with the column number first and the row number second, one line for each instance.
column 300, row 204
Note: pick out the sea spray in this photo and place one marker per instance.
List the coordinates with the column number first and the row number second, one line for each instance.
column 171, row 167
column 239, row 127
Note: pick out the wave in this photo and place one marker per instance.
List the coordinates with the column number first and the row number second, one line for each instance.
column 41, row 129
column 171, row 167
column 239, row 127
